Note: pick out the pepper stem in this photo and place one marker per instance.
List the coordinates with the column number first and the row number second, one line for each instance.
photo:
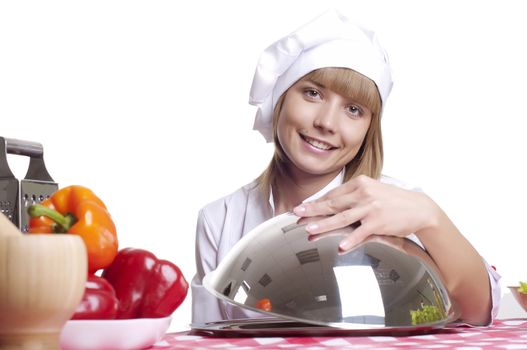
column 62, row 222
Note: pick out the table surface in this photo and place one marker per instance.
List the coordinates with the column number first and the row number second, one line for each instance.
column 503, row 334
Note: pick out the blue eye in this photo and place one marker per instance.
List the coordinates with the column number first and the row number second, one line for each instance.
column 312, row 93
column 354, row 110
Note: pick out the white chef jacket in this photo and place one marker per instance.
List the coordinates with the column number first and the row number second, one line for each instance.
column 224, row 222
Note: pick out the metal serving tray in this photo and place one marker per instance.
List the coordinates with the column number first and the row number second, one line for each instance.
column 276, row 327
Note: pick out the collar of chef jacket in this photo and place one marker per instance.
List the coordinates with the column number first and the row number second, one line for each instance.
column 337, row 181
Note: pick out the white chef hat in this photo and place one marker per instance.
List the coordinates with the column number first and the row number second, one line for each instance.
column 330, row 40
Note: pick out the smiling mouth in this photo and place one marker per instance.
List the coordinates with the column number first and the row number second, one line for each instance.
column 317, row 143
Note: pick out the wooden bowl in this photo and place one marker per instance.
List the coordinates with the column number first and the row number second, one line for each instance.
column 521, row 298
column 42, row 279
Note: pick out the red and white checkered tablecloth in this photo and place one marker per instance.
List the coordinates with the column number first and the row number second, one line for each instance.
column 503, row 334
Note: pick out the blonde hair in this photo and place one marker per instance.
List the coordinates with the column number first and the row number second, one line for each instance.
column 347, row 82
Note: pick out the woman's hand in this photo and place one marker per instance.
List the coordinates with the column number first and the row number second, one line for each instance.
column 381, row 209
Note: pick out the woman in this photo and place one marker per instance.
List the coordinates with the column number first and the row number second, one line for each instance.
column 320, row 93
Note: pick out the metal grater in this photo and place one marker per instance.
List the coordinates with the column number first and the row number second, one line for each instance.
column 36, row 186
column 8, row 186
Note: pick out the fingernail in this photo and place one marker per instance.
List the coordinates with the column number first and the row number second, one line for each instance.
column 311, row 227
column 299, row 210
column 312, row 238
column 345, row 245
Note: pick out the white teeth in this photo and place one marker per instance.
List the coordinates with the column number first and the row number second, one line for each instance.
column 317, row 144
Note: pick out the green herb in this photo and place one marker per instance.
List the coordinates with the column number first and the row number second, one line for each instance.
column 523, row 287
column 427, row 314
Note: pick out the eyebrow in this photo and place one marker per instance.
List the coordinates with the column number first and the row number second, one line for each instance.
column 320, row 85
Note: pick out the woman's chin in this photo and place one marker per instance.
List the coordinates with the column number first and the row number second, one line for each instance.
column 317, row 169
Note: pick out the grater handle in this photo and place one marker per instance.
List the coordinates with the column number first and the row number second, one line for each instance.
column 34, row 150
column 25, row 148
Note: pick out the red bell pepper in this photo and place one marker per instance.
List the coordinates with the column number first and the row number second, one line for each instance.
column 145, row 286
column 98, row 302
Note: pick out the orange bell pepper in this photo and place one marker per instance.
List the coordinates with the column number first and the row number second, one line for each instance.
column 77, row 210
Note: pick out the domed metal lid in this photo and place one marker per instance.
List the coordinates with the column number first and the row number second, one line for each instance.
column 386, row 282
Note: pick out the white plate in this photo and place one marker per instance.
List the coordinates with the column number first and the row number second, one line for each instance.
column 130, row 334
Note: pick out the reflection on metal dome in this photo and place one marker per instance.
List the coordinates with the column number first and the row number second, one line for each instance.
column 386, row 282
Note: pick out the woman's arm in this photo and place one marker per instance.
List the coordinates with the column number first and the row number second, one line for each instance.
column 463, row 270
column 384, row 209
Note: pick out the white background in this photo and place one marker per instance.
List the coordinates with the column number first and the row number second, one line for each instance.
column 145, row 102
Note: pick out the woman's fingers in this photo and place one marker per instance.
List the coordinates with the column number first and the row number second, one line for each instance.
column 351, row 185
column 342, row 219
column 380, row 209
column 355, row 238
column 340, row 198
column 327, row 206
column 328, row 226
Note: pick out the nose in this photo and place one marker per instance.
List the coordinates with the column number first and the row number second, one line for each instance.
column 326, row 118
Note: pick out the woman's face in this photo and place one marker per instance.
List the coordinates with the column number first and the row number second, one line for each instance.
column 319, row 130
